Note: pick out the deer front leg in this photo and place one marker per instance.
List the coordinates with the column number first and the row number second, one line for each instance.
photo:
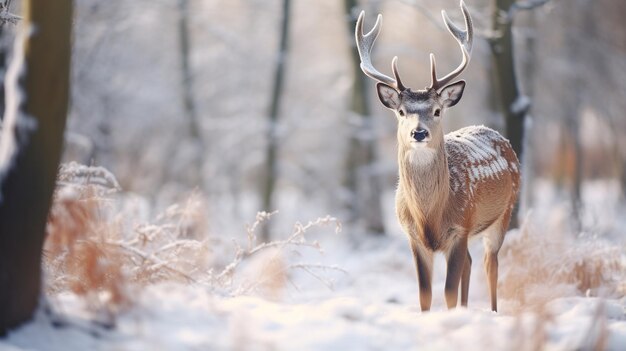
column 465, row 279
column 456, row 263
column 424, row 266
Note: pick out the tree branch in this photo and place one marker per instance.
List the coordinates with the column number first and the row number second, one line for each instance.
column 524, row 6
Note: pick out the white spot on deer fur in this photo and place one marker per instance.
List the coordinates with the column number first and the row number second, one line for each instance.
column 497, row 171
column 476, row 173
column 502, row 162
column 417, row 105
column 492, row 238
column 421, row 156
column 478, row 150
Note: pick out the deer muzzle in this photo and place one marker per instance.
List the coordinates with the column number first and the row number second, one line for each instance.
column 419, row 134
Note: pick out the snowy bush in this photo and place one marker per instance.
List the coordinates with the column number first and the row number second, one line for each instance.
column 540, row 265
column 93, row 251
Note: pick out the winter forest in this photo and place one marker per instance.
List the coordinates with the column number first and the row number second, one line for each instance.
column 223, row 175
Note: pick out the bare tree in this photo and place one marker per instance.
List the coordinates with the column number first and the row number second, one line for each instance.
column 5, row 17
column 189, row 105
column 32, row 138
column 513, row 104
column 271, row 163
column 571, row 109
column 361, row 181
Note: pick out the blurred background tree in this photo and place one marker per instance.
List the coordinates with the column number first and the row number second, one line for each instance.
column 362, row 179
column 271, row 162
column 335, row 149
column 30, row 150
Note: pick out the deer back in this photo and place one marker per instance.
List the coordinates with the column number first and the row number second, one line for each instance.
column 484, row 175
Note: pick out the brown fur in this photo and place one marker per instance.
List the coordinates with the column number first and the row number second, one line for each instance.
column 450, row 187
column 438, row 219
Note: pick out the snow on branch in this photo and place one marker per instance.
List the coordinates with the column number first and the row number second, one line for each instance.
column 524, row 6
column 16, row 126
column 80, row 175
column 520, row 105
column 296, row 239
column 100, row 250
column 5, row 15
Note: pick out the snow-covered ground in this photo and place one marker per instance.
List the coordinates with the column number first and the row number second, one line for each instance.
column 557, row 291
column 372, row 307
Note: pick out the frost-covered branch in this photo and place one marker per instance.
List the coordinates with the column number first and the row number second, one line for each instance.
column 296, row 239
column 310, row 269
column 528, row 5
column 157, row 263
column 524, row 6
column 82, row 175
column 5, row 15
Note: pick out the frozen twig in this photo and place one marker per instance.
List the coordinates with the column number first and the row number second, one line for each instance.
column 296, row 239
column 261, row 217
column 310, row 269
column 80, row 175
column 157, row 263
column 5, row 15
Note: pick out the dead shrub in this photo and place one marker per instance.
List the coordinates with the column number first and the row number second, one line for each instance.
column 95, row 250
column 540, row 266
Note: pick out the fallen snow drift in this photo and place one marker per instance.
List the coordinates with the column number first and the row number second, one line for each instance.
column 557, row 291
column 372, row 308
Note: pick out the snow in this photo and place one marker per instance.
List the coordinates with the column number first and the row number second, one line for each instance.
column 521, row 104
column 558, row 289
column 16, row 126
column 376, row 310
column 372, row 307
column 475, row 154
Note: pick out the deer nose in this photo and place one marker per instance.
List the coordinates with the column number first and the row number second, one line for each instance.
column 419, row 134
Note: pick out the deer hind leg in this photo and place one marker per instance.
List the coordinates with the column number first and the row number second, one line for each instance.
column 465, row 279
column 457, row 260
column 492, row 240
column 424, row 266
column 491, row 268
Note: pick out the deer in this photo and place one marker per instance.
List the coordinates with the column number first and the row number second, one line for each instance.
column 451, row 187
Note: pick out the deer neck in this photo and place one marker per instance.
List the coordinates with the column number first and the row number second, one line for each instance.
column 425, row 179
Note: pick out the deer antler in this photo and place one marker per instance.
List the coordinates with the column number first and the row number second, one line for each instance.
column 365, row 42
column 464, row 38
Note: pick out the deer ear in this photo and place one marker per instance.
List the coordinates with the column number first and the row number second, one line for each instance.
column 389, row 96
column 452, row 93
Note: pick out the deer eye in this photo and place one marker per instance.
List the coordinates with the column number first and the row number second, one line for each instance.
column 401, row 113
column 437, row 112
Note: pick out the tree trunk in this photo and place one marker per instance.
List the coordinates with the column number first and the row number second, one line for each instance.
column 271, row 163
column 36, row 127
column 189, row 106
column 577, row 177
column 6, row 6
column 529, row 73
column 572, row 107
column 622, row 177
column 513, row 104
column 361, row 181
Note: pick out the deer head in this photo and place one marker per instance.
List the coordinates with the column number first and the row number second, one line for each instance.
column 419, row 112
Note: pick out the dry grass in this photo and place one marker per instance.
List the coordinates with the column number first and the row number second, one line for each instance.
column 545, row 262
column 75, row 257
column 95, row 250
column 539, row 266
